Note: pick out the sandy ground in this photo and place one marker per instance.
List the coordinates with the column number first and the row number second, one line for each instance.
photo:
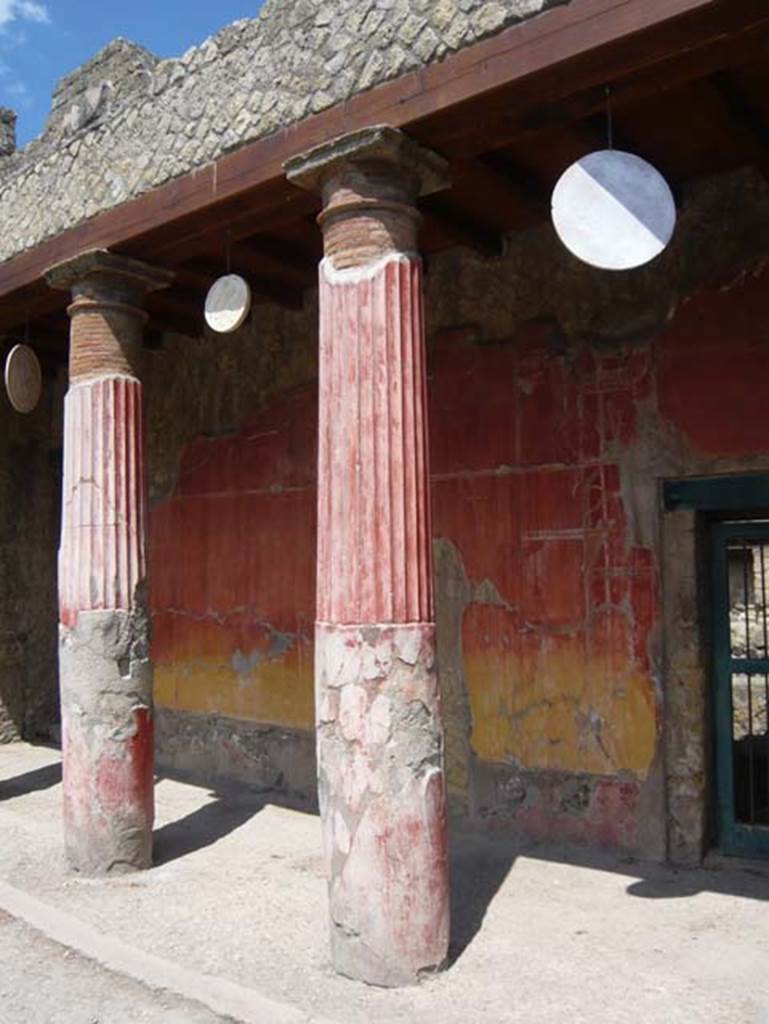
column 238, row 897
column 42, row 982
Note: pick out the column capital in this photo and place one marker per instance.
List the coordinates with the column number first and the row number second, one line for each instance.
column 375, row 145
column 107, row 309
column 108, row 274
column 370, row 181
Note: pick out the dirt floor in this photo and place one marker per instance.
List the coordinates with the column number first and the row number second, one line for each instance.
column 42, row 982
column 231, row 924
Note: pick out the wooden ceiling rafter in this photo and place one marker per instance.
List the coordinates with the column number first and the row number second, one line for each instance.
column 460, row 226
column 180, row 310
column 197, row 236
column 48, row 335
column 538, row 61
column 36, row 300
column 284, row 257
column 246, row 262
column 527, row 182
column 491, row 109
column 506, row 124
column 496, row 192
column 44, row 336
column 750, row 126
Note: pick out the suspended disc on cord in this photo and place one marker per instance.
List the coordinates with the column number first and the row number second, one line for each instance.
column 23, row 378
column 227, row 303
column 613, row 210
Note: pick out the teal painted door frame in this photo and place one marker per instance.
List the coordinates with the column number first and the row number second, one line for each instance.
column 734, row 837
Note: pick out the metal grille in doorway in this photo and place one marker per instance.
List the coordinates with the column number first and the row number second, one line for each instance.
column 740, row 596
column 748, row 573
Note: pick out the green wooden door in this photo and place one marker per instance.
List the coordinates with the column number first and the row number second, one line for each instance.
column 740, row 622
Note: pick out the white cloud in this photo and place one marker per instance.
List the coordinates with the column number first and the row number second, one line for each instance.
column 33, row 11
column 13, row 13
column 26, row 10
column 19, row 96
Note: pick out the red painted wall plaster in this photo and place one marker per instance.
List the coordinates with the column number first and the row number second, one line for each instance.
column 527, row 442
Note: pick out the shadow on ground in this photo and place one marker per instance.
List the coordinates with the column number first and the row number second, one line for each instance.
column 746, row 879
column 204, row 826
column 478, row 865
column 29, row 782
column 480, row 862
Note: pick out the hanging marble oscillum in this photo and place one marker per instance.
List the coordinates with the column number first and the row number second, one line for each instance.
column 227, row 304
column 613, row 210
column 23, row 378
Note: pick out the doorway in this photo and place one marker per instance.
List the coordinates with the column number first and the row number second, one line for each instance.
column 740, row 622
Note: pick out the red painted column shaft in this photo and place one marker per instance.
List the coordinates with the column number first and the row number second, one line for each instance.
column 380, row 741
column 104, row 660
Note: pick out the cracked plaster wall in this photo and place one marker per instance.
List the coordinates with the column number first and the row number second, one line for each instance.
column 559, row 398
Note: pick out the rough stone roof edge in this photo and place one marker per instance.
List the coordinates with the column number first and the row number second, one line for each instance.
column 248, row 80
column 114, row 47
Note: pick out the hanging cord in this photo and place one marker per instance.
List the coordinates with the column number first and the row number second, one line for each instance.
column 609, row 119
column 228, row 251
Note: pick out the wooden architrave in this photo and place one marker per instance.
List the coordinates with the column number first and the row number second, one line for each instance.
column 529, row 66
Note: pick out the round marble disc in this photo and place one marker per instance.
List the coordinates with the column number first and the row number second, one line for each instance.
column 613, row 210
column 23, row 378
column 227, row 303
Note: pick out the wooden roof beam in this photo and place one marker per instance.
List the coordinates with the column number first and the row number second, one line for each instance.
column 244, row 262
column 471, row 98
column 248, row 262
column 501, row 185
column 750, row 126
column 54, row 325
column 179, row 310
column 283, row 257
column 49, row 338
column 196, row 238
column 44, row 337
column 34, row 301
column 529, row 190
column 744, row 39
column 461, row 226
column 592, row 134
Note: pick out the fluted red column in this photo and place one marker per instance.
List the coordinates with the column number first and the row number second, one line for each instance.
column 104, row 659
column 380, row 741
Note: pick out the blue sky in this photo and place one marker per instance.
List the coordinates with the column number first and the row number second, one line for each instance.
column 41, row 40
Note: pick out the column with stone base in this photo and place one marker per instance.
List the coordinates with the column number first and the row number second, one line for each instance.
column 379, row 734
column 104, row 657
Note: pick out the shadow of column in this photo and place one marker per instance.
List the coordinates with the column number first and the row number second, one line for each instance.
column 29, row 782
column 203, row 827
column 478, row 869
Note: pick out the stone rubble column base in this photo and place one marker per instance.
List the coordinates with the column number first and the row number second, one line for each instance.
column 382, row 799
column 107, row 740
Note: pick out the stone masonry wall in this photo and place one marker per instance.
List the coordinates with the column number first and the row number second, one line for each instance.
column 126, row 122
column 29, row 518
column 575, row 700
